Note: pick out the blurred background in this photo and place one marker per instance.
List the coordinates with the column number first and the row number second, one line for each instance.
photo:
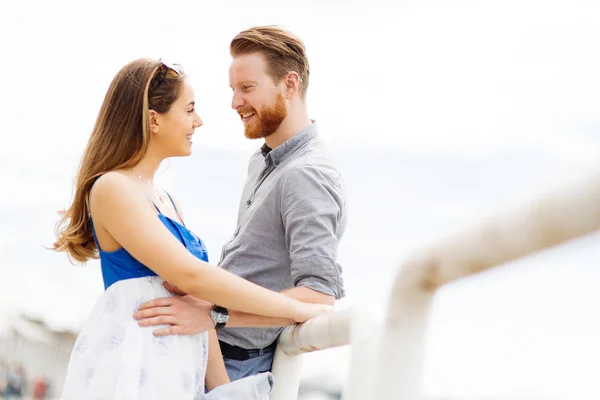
column 438, row 112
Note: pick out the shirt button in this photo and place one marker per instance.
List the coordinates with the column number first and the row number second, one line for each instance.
column 249, row 202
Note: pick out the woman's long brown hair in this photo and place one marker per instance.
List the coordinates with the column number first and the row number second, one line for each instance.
column 119, row 140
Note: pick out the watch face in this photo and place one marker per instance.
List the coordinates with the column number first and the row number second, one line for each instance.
column 218, row 317
column 221, row 318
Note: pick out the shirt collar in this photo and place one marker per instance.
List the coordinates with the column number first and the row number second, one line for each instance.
column 280, row 153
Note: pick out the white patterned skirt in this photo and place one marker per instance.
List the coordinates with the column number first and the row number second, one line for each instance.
column 113, row 358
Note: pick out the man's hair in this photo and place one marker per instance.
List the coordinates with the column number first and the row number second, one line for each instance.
column 283, row 51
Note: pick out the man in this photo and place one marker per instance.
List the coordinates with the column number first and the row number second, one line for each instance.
column 292, row 214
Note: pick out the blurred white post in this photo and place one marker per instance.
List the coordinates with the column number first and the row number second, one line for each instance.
column 323, row 332
column 557, row 217
column 287, row 369
column 365, row 332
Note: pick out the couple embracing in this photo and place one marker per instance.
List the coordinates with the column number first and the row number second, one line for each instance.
column 171, row 325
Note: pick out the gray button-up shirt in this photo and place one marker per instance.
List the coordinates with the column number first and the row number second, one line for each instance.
column 291, row 218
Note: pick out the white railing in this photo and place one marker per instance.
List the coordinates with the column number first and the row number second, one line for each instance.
column 386, row 360
column 320, row 333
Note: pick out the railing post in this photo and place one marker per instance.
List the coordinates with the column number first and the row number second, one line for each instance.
column 365, row 333
column 287, row 369
column 400, row 350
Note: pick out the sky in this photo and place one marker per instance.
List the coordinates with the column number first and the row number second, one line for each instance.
column 454, row 109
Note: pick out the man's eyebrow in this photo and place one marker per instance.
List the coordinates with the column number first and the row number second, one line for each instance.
column 191, row 103
column 246, row 83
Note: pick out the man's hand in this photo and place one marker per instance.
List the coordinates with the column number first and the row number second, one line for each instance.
column 187, row 315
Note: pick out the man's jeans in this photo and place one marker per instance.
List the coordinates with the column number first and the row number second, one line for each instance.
column 262, row 362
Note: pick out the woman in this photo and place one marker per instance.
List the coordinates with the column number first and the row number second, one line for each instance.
column 140, row 237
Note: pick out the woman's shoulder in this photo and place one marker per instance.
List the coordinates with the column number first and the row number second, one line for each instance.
column 111, row 183
column 111, row 180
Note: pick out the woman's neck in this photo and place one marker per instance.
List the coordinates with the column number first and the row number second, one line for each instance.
column 147, row 168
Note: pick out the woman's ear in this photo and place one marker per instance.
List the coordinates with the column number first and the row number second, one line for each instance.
column 153, row 120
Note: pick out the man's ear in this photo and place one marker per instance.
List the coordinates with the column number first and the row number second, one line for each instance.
column 292, row 84
column 153, row 121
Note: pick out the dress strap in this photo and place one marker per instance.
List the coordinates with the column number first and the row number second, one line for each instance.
column 175, row 207
column 87, row 200
column 152, row 201
column 94, row 233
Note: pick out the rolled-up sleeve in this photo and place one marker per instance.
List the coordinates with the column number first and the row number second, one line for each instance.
column 313, row 214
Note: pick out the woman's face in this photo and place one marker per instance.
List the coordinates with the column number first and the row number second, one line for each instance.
column 172, row 132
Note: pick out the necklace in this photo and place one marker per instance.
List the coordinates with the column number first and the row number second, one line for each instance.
column 162, row 200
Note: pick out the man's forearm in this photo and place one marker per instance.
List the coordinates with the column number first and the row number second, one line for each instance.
column 245, row 320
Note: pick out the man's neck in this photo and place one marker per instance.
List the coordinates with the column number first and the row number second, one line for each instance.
column 290, row 126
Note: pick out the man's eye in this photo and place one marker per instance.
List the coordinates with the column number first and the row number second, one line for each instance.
column 192, row 110
column 246, row 88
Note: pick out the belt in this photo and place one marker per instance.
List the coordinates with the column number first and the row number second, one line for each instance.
column 241, row 354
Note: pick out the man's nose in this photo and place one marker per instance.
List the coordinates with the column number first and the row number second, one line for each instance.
column 237, row 101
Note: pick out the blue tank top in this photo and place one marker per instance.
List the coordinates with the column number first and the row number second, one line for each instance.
column 119, row 264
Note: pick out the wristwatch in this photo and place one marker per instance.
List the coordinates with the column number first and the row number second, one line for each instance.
column 220, row 316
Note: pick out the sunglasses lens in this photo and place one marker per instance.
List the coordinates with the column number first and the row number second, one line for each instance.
column 175, row 67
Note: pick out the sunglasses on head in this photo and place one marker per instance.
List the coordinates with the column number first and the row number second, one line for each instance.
column 162, row 71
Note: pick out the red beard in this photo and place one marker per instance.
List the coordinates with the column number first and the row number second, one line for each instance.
column 267, row 121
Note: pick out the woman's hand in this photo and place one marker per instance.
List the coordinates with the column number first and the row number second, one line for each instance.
column 307, row 311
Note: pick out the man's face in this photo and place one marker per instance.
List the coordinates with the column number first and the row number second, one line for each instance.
column 257, row 99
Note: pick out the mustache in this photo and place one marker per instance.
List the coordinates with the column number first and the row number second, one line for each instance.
column 246, row 110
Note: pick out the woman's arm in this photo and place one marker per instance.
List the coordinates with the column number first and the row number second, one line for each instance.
column 216, row 374
column 120, row 208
